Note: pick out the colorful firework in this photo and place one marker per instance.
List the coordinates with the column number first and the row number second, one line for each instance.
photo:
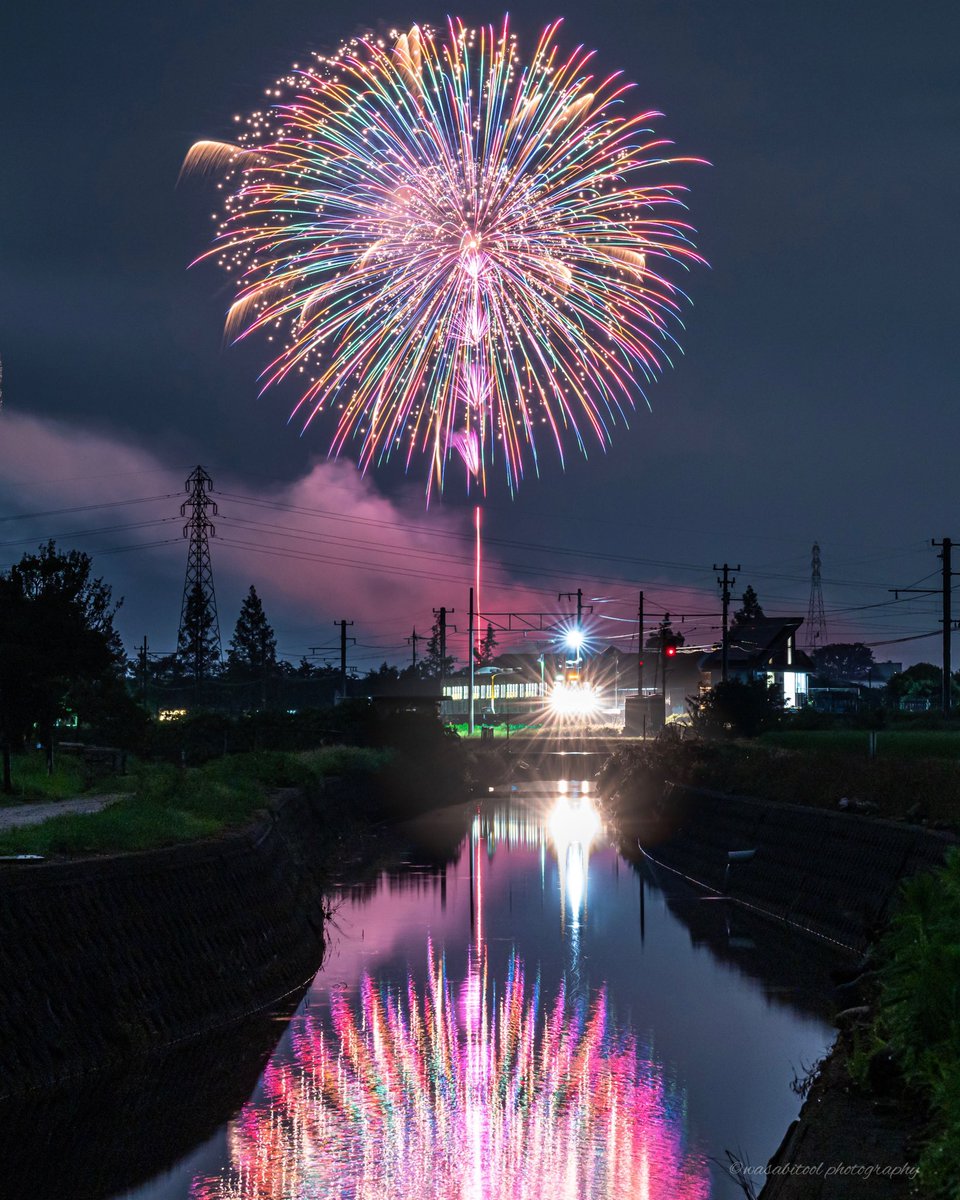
column 474, row 1092
column 459, row 256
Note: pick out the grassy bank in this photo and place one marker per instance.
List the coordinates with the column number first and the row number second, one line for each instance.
column 31, row 780
column 905, row 788
column 917, row 1019
column 167, row 805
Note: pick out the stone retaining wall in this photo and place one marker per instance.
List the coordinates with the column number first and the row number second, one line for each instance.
column 832, row 874
column 109, row 958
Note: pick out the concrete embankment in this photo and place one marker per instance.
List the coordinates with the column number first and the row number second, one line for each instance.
column 831, row 874
column 105, row 959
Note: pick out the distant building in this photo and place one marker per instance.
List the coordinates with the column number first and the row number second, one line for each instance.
column 879, row 673
column 765, row 649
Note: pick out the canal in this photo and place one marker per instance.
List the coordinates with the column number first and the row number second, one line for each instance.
column 515, row 1010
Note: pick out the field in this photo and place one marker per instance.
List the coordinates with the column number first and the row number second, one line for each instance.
column 891, row 743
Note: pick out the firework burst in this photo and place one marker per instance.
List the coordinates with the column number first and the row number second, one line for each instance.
column 459, row 256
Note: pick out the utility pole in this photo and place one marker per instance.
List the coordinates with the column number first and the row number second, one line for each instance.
column 579, row 626
column 949, row 625
column 142, row 664
column 412, row 641
column 945, row 548
column 473, row 662
column 343, row 655
column 664, row 626
column 640, row 655
column 569, row 596
column 725, row 584
column 441, row 615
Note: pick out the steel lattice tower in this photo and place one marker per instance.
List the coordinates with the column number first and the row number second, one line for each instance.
column 199, row 529
column 816, row 631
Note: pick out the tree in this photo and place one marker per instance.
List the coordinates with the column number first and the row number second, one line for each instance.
column 484, row 652
column 252, row 654
column 382, row 674
column 57, row 643
column 750, row 610
column 197, row 647
column 843, row 660
column 64, row 577
column 663, row 634
column 737, row 709
column 17, row 681
column 922, row 681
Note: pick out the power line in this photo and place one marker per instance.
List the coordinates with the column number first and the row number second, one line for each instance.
column 57, row 512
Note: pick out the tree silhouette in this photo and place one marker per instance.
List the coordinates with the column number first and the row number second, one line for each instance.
column 843, row 660
column 252, row 656
column 750, row 611
column 197, row 648
column 253, row 647
column 484, row 652
column 57, row 644
column 663, row 635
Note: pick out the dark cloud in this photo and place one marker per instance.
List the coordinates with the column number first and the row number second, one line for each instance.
column 816, row 395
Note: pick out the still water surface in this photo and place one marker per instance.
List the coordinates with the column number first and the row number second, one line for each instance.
column 519, row 1013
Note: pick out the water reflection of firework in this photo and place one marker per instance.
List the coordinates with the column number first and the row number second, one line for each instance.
column 473, row 1092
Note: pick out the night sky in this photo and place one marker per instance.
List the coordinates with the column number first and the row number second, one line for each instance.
column 816, row 398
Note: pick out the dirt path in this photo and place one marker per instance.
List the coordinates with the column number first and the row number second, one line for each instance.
column 34, row 814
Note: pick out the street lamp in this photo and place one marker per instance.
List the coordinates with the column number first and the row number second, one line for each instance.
column 493, row 672
column 573, row 640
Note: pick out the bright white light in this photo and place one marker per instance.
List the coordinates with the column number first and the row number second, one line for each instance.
column 574, row 639
column 573, row 700
column 576, row 823
column 576, row 878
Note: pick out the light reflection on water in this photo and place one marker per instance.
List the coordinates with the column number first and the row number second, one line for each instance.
column 434, row 1067
column 479, row 1090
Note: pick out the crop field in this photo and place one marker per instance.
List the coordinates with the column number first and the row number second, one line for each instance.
column 891, row 743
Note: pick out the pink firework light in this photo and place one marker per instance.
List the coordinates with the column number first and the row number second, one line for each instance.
column 460, row 255
column 480, row 1091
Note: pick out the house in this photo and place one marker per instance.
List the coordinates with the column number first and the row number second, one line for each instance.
column 765, row 649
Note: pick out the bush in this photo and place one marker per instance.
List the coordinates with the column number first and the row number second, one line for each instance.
column 919, row 1011
column 737, row 709
column 345, row 761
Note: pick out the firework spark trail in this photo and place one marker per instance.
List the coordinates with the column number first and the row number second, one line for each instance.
column 446, row 1095
column 459, row 254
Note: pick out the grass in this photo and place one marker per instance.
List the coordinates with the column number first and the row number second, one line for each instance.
column 499, row 731
column 891, row 743
column 31, row 781
column 344, row 761
column 919, row 1012
column 169, row 805
column 915, row 789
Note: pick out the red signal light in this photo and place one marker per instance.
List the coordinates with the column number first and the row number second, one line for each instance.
column 671, row 651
